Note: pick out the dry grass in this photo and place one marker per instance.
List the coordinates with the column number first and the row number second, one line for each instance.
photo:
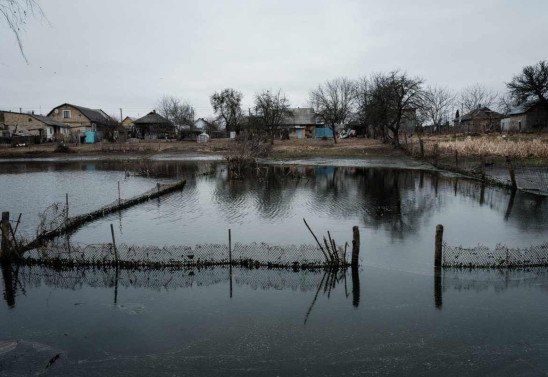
column 497, row 146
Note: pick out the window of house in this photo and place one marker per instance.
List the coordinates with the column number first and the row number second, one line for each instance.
column 66, row 114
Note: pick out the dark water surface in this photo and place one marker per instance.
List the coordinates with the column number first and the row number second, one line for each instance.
column 391, row 317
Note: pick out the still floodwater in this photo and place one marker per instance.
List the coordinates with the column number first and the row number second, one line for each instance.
column 392, row 316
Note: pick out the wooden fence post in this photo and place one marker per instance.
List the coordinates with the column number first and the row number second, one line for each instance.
column 230, row 247
column 511, row 172
column 66, row 207
column 114, row 244
column 421, row 146
column 438, row 245
column 5, row 225
column 355, row 245
column 482, row 167
column 119, row 198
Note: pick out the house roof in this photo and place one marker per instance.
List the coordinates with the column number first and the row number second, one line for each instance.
column 522, row 108
column 301, row 115
column 152, row 118
column 42, row 118
column 478, row 112
column 49, row 121
column 94, row 115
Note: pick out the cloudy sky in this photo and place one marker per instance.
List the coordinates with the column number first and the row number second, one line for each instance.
column 126, row 54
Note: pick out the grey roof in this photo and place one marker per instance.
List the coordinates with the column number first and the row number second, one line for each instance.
column 301, row 116
column 94, row 115
column 152, row 118
column 522, row 108
column 49, row 121
column 477, row 112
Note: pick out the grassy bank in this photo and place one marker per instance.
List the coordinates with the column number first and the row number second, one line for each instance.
column 527, row 148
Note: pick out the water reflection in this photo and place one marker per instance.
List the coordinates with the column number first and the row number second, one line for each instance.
column 397, row 209
column 284, row 322
column 21, row 278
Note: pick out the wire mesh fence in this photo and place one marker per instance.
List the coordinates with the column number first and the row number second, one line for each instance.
column 246, row 254
column 500, row 256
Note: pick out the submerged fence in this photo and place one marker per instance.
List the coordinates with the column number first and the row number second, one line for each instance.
column 251, row 254
column 500, row 256
column 484, row 257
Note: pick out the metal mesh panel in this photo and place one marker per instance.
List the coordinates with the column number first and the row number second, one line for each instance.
column 262, row 254
column 500, row 256
column 165, row 278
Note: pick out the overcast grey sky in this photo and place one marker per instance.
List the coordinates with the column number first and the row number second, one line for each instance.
column 128, row 53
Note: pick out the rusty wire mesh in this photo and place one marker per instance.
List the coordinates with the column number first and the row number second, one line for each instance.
column 255, row 253
column 500, row 256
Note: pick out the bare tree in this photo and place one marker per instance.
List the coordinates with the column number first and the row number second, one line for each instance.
column 15, row 14
column 271, row 110
column 333, row 101
column 436, row 105
column 476, row 96
column 505, row 103
column 363, row 101
column 532, row 82
column 176, row 111
column 227, row 104
column 393, row 96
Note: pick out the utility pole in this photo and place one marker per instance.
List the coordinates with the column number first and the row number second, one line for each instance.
column 121, row 119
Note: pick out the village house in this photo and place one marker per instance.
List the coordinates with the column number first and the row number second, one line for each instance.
column 482, row 119
column 82, row 119
column 301, row 123
column 528, row 116
column 201, row 124
column 154, row 126
column 128, row 123
column 47, row 129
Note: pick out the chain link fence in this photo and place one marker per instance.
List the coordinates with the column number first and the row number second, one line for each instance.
column 500, row 256
column 251, row 255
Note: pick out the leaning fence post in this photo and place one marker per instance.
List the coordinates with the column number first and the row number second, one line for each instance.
column 119, row 198
column 512, row 173
column 5, row 224
column 114, row 244
column 438, row 245
column 355, row 245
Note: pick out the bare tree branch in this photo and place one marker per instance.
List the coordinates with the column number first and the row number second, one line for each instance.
column 476, row 96
column 532, row 82
column 15, row 14
column 333, row 101
column 227, row 104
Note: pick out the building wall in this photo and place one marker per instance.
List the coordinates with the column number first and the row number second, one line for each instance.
column 77, row 121
column 127, row 123
column 512, row 123
column 23, row 122
column 481, row 124
column 536, row 118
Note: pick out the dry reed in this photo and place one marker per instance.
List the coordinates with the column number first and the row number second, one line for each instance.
column 499, row 146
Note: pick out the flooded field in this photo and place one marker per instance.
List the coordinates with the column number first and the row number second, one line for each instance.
column 390, row 316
